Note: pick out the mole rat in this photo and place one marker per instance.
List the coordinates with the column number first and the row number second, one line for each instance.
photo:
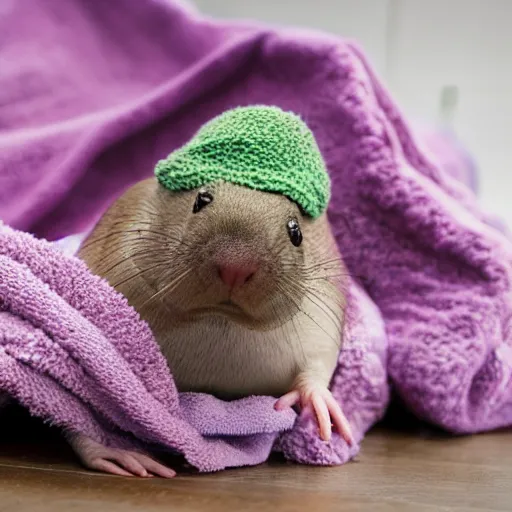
column 242, row 290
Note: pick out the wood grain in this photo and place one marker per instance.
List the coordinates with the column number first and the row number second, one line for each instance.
column 411, row 469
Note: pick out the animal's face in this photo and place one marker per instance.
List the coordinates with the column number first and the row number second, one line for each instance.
column 222, row 251
column 231, row 251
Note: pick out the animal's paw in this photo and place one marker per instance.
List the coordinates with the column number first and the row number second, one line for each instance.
column 319, row 400
column 119, row 462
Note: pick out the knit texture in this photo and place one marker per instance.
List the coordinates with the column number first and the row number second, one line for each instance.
column 260, row 147
column 431, row 311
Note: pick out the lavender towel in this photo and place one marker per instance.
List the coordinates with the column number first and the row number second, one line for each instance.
column 93, row 93
column 73, row 352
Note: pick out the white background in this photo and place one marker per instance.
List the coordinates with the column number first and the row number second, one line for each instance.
column 420, row 48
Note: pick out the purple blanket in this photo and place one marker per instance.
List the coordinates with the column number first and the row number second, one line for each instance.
column 92, row 94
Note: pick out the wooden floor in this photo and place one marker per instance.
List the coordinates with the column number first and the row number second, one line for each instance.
column 398, row 470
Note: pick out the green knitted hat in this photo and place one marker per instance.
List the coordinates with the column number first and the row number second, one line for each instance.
column 260, row 147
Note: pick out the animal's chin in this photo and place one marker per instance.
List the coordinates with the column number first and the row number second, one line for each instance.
column 255, row 313
column 235, row 313
column 229, row 309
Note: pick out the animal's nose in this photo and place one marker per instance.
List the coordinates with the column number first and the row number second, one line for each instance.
column 234, row 276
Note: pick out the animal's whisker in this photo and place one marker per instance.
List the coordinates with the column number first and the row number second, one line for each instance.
column 313, row 268
column 337, row 314
column 130, row 257
column 136, row 235
column 95, row 241
column 126, row 237
column 168, row 288
column 363, row 279
column 132, row 241
column 137, row 274
column 303, row 311
column 326, row 293
column 323, row 264
column 136, row 212
column 141, row 258
column 331, row 314
column 292, row 324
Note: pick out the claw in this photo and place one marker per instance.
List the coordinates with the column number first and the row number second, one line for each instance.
column 115, row 461
column 326, row 409
column 289, row 400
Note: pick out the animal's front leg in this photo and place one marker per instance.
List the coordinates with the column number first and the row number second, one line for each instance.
column 119, row 462
column 311, row 393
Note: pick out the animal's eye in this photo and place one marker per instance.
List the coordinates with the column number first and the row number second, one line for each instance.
column 203, row 198
column 294, row 232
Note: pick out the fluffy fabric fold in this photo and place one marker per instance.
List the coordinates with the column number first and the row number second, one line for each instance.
column 76, row 354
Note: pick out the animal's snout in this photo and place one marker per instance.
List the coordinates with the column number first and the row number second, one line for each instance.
column 235, row 275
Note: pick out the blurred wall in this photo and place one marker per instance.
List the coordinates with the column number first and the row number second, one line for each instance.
column 448, row 60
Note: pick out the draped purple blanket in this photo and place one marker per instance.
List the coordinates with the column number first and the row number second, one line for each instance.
column 92, row 94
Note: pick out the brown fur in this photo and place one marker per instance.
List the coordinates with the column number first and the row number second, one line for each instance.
column 282, row 326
